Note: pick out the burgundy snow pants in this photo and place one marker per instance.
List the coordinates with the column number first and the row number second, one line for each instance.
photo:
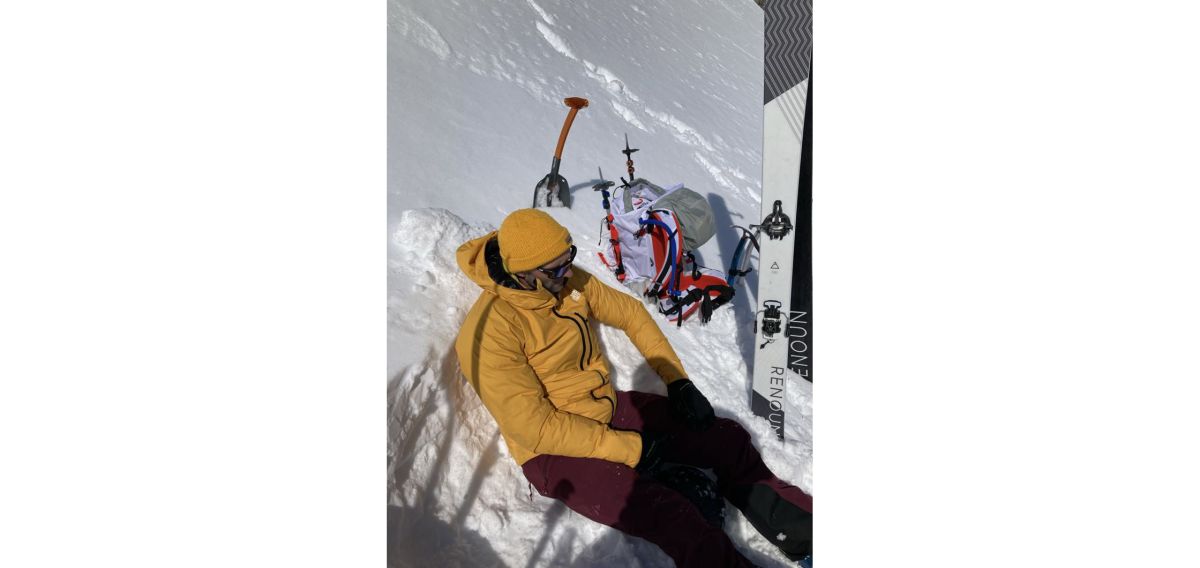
column 615, row 495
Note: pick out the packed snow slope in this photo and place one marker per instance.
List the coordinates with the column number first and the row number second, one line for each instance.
column 475, row 94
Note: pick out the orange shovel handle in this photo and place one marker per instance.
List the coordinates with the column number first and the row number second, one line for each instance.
column 575, row 103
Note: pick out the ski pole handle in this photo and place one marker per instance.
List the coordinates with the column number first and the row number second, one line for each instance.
column 575, row 103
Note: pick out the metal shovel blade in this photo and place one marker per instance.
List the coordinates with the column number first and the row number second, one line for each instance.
column 552, row 191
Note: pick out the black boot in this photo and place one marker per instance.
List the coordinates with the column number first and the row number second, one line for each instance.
column 784, row 524
column 698, row 487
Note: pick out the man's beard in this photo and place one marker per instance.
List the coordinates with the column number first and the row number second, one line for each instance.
column 556, row 285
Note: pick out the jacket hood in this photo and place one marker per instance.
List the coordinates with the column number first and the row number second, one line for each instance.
column 479, row 259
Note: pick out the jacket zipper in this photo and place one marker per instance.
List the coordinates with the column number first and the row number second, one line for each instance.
column 582, row 335
column 603, row 381
column 588, row 350
column 590, row 342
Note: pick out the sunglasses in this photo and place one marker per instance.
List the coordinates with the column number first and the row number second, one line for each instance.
column 561, row 269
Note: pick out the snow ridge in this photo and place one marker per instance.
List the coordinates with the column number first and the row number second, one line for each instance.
column 405, row 23
column 714, row 164
column 541, row 13
column 556, row 42
column 628, row 116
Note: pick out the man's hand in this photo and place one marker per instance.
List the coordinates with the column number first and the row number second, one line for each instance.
column 690, row 406
column 653, row 446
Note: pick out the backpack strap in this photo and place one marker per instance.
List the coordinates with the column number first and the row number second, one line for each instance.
column 710, row 298
column 668, row 270
column 613, row 238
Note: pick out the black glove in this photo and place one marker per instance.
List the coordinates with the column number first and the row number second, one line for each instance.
column 690, row 406
column 653, row 447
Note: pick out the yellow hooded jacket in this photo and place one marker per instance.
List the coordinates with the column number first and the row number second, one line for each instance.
column 535, row 361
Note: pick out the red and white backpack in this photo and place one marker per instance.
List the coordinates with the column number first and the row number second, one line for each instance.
column 653, row 233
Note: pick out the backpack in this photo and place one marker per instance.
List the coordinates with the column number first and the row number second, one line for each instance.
column 653, row 234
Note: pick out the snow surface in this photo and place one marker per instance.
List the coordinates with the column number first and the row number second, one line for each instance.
column 475, row 108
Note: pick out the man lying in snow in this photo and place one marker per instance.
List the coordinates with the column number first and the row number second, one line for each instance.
column 528, row 348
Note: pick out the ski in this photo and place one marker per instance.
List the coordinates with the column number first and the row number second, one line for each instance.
column 783, row 324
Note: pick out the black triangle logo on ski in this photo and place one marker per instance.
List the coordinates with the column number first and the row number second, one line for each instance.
column 774, row 266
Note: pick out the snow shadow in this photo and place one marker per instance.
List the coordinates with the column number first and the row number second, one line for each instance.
column 619, row 549
column 549, row 521
column 486, row 462
column 587, row 187
column 418, row 540
column 402, row 435
column 589, row 195
column 417, row 537
column 406, row 433
column 744, row 310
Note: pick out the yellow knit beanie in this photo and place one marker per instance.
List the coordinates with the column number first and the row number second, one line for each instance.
column 530, row 238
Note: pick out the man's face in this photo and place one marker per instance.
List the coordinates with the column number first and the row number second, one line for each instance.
column 545, row 274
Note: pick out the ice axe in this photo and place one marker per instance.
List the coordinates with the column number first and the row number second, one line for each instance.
column 553, row 185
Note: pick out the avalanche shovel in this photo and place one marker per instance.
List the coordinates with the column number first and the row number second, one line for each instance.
column 553, row 190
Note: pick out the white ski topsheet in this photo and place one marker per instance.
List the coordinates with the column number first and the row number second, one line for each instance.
column 783, row 131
